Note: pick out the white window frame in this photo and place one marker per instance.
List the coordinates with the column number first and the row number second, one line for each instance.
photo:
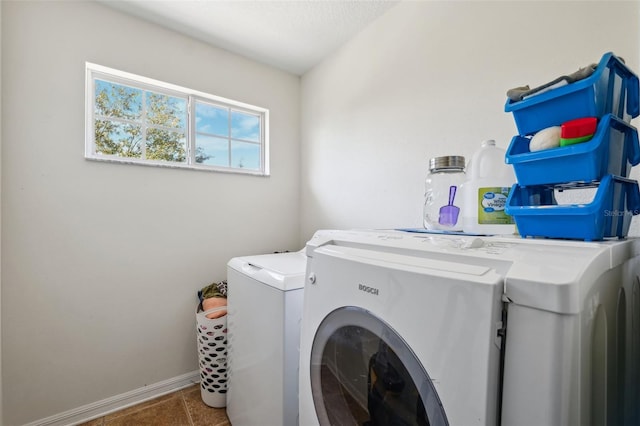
column 94, row 71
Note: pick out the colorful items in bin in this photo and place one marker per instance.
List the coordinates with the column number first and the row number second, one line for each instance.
column 571, row 132
column 613, row 150
column 611, row 89
column 537, row 213
column 579, row 127
column 567, row 142
column 578, row 130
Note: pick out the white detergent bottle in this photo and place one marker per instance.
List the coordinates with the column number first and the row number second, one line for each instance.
column 485, row 192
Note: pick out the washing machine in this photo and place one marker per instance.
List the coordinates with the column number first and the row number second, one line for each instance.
column 405, row 328
column 264, row 296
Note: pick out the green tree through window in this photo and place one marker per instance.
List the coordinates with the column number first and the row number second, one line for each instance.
column 126, row 116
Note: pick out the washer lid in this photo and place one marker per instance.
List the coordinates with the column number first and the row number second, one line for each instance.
column 284, row 271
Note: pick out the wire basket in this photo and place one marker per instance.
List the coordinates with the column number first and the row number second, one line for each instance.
column 212, row 357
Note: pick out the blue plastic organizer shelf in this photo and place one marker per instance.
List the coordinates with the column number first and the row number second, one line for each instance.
column 612, row 89
column 537, row 214
column 614, row 149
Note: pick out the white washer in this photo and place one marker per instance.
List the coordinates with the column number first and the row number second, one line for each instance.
column 264, row 296
column 405, row 328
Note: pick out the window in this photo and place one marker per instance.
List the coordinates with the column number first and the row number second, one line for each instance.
column 137, row 120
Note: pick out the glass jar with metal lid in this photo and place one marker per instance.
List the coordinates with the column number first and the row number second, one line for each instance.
column 441, row 198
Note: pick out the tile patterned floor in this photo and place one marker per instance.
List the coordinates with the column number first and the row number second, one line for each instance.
column 181, row 408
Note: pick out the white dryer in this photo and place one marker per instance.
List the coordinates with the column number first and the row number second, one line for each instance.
column 417, row 329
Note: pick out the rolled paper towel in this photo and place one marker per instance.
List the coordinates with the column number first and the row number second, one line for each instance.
column 545, row 139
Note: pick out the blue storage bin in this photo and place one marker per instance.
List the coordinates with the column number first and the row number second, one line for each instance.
column 612, row 89
column 613, row 150
column 609, row 214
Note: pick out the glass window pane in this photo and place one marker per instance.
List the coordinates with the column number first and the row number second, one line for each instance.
column 212, row 151
column 166, row 146
column 245, row 155
column 167, row 111
column 212, row 120
column 115, row 100
column 120, row 139
column 245, row 126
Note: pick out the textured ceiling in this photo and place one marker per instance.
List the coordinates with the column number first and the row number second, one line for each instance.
column 290, row 35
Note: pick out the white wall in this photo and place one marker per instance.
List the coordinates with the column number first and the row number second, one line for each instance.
column 429, row 79
column 0, row 212
column 101, row 262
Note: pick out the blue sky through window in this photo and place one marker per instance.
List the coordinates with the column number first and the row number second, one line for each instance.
column 245, row 155
column 217, row 129
column 245, row 126
column 216, row 149
column 212, row 120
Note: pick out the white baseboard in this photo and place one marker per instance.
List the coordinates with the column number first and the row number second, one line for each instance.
column 118, row 402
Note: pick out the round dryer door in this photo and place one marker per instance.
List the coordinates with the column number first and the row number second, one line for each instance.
column 363, row 373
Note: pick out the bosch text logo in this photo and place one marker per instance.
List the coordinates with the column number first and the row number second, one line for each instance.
column 367, row 289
